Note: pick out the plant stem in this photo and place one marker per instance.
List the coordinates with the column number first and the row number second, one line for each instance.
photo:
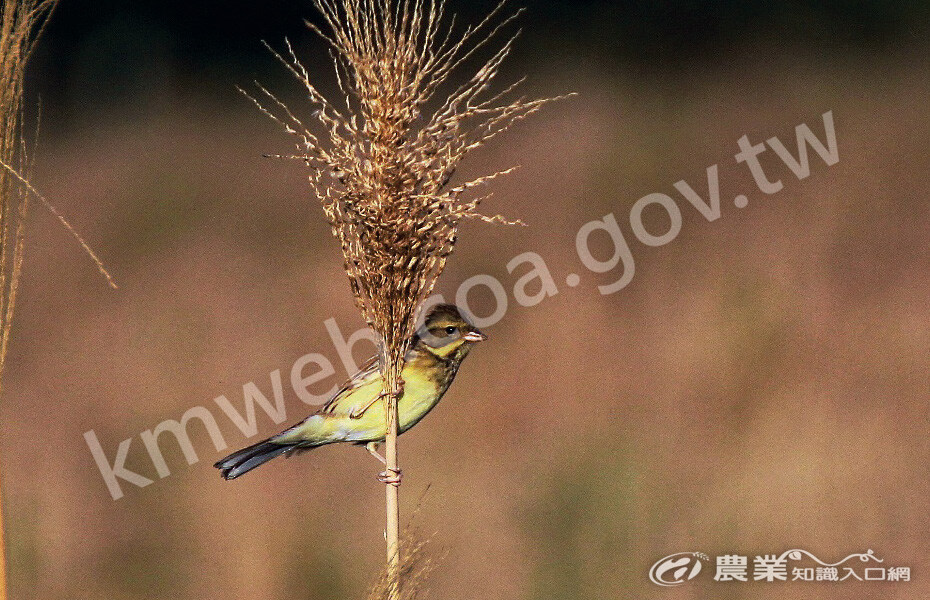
column 2, row 558
column 392, row 495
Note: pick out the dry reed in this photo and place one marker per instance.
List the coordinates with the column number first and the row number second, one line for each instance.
column 383, row 170
column 20, row 24
column 21, row 21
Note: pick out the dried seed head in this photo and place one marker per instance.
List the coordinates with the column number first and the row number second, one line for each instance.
column 381, row 169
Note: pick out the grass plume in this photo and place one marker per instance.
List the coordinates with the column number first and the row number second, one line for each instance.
column 20, row 24
column 383, row 169
column 411, row 574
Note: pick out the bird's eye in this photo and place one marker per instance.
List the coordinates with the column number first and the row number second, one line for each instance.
column 450, row 330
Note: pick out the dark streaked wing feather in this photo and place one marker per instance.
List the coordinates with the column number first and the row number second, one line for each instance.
column 367, row 370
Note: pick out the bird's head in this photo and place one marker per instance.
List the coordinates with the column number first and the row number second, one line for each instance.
column 446, row 333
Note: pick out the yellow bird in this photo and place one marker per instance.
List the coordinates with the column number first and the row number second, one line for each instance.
column 355, row 414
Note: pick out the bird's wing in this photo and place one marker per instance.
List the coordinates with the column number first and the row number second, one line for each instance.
column 329, row 423
column 367, row 375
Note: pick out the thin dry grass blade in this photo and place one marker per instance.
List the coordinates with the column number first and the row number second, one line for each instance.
column 64, row 223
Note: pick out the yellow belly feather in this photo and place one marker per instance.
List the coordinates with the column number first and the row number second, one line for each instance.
column 421, row 393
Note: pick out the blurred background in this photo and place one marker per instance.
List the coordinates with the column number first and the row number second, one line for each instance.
column 761, row 385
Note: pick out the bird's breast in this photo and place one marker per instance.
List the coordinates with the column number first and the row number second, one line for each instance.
column 424, row 386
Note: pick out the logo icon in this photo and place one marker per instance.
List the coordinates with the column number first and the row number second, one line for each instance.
column 792, row 566
column 676, row 569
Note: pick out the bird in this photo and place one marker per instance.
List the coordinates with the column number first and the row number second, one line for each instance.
column 355, row 413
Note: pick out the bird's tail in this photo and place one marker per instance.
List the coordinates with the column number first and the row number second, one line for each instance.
column 247, row 459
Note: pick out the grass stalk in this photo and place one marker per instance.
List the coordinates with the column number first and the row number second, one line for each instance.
column 2, row 547
column 384, row 171
column 20, row 25
column 392, row 492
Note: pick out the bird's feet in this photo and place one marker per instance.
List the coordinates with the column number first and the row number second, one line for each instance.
column 372, row 448
column 391, row 477
column 359, row 411
column 388, row 476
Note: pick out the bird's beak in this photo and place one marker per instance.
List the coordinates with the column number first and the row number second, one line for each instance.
column 474, row 336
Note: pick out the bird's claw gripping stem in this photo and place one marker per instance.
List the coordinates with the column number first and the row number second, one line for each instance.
column 358, row 412
column 391, row 477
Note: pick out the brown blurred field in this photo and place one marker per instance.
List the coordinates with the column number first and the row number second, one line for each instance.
column 761, row 385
